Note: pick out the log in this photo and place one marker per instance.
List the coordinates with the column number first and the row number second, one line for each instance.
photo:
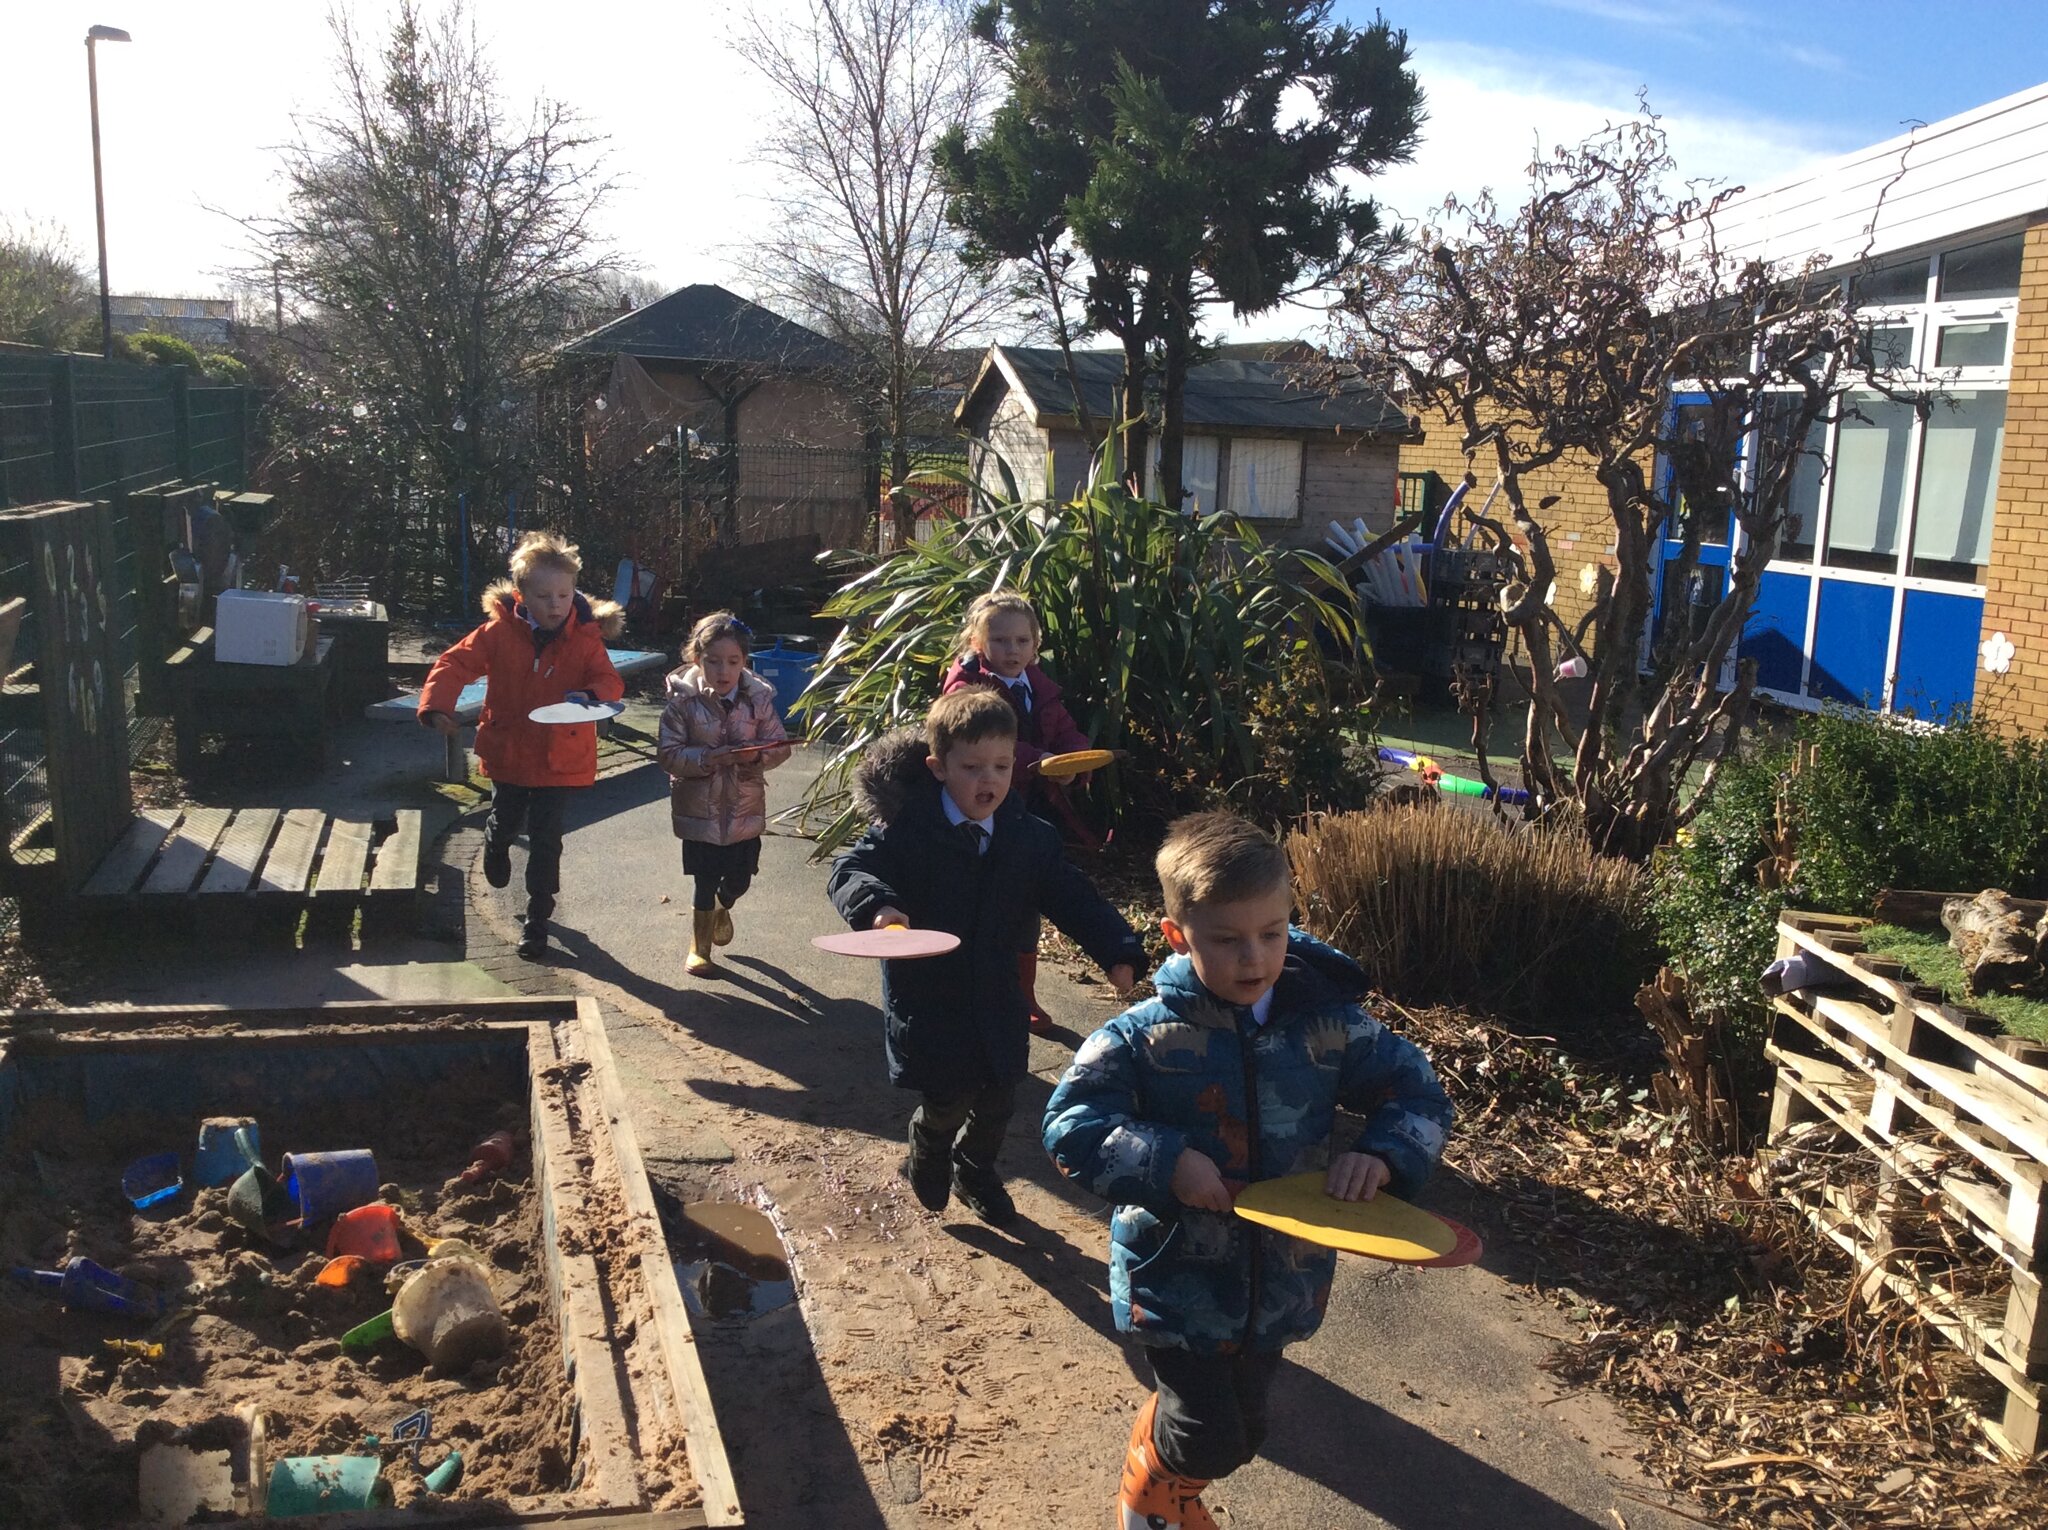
column 1915, row 909
column 1997, row 939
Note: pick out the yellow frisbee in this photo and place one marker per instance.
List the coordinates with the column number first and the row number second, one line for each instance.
column 1383, row 1227
column 1058, row 767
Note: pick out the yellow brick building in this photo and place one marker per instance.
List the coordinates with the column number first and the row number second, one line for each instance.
column 1917, row 577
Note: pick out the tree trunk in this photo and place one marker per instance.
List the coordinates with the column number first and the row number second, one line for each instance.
column 1997, row 939
column 1131, row 439
column 1173, row 401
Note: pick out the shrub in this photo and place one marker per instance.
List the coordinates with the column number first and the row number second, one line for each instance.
column 1715, row 917
column 165, row 350
column 224, row 369
column 1887, row 803
column 1448, row 906
column 1192, row 644
column 1875, row 802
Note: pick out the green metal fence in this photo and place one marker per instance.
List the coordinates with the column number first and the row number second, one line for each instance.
column 80, row 427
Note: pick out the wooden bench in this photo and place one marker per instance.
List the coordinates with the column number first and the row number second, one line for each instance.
column 264, row 855
column 247, row 700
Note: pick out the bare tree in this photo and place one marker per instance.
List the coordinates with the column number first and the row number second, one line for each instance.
column 432, row 248
column 861, row 248
column 1556, row 336
column 46, row 297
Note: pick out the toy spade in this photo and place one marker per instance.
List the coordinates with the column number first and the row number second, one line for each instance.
column 893, row 942
column 1384, row 1227
column 1061, row 767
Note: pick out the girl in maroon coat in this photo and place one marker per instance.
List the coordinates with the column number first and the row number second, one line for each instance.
column 1000, row 653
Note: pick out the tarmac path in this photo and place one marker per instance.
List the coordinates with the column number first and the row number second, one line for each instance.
column 937, row 1371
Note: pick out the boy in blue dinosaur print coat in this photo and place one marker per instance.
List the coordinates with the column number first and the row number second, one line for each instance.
column 952, row 848
column 1232, row 1074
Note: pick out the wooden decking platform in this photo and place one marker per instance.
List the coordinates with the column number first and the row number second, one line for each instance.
column 264, row 855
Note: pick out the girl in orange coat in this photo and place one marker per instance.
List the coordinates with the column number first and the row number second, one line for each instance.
column 541, row 642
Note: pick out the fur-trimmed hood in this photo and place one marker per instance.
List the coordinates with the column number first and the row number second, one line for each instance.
column 501, row 602
column 892, row 775
column 687, row 680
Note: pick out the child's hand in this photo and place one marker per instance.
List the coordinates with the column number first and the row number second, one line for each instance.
column 443, row 724
column 889, row 915
column 1356, row 1176
column 1123, row 978
column 581, row 698
column 1198, row 1182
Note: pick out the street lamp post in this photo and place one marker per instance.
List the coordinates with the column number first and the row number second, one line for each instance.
column 99, row 200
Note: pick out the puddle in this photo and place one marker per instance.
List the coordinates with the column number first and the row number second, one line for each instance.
column 728, row 1259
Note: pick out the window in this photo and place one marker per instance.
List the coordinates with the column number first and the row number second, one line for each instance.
column 1707, row 439
column 1965, row 434
column 1802, row 500
column 1888, row 348
column 1265, row 480
column 1972, row 345
column 1198, row 457
column 1901, row 281
column 1988, row 270
column 1872, row 453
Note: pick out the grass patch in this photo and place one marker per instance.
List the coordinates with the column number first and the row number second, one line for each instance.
column 1932, row 960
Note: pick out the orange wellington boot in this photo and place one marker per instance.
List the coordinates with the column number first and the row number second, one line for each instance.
column 1027, row 979
column 1153, row 1498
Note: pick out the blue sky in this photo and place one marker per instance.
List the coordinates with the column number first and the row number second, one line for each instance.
column 1840, row 75
column 1749, row 92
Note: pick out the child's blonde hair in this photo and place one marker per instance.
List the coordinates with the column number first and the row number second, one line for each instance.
column 1217, row 858
column 987, row 608
column 714, row 628
column 543, row 549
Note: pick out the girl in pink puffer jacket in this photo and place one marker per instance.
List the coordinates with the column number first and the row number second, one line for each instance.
column 718, row 803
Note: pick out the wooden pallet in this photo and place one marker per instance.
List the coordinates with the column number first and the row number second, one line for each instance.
column 1956, row 1126
column 262, row 854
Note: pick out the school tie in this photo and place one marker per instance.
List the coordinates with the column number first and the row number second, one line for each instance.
column 1021, row 689
column 972, row 835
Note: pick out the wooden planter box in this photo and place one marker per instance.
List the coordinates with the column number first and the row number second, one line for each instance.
column 630, row 1365
column 1953, row 1124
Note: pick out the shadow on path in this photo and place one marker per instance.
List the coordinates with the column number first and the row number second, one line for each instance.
column 1390, row 1467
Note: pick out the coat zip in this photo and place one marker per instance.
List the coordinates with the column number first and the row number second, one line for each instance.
column 1251, row 1133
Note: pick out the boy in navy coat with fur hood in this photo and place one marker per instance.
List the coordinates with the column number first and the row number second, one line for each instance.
column 952, row 849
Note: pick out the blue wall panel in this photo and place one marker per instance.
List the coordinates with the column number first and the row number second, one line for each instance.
column 1775, row 634
column 1937, row 654
column 1849, row 640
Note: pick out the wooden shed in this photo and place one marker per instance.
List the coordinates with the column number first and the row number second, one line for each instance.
column 1267, row 438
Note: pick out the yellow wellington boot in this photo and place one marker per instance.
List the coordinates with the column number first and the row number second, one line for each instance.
column 698, row 963
column 1153, row 1498
column 721, row 926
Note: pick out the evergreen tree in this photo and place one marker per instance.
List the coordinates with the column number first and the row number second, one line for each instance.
column 1162, row 155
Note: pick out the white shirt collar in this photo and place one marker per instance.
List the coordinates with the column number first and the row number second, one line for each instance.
column 1263, row 1008
column 956, row 817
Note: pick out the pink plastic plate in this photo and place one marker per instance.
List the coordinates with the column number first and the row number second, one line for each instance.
column 896, row 943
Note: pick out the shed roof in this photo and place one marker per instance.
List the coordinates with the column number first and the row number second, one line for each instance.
column 1267, row 395
column 705, row 323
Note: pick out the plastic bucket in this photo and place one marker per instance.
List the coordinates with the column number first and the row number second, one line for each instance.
column 149, row 1180
column 222, row 1154
column 448, row 1313
column 327, row 1184
column 369, row 1231
column 303, row 1485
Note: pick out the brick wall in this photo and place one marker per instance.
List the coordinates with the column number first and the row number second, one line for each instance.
column 2016, row 585
column 1581, row 531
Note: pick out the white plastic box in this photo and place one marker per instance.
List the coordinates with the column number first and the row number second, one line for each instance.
column 257, row 627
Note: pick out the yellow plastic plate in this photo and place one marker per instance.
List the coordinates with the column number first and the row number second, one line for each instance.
column 1058, row 767
column 1381, row 1228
